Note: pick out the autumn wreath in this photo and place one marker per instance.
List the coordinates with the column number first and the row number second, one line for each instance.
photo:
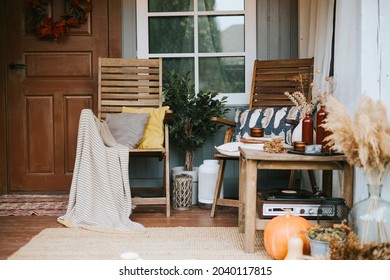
column 46, row 28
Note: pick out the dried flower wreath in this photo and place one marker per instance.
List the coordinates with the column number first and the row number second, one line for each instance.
column 46, row 28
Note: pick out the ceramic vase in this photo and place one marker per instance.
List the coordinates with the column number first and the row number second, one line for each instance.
column 208, row 175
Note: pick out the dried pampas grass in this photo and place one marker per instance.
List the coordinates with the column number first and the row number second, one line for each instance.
column 299, row 100
column 365, row 140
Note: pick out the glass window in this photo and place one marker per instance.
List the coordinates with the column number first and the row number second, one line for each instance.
column 170, row 6
column 221, row 34
column 223, row 74
column 171, row 35
column 180, row 65
column 214, row 40
column 221, row 5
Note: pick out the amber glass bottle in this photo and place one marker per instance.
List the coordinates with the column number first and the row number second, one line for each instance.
column 307, row 129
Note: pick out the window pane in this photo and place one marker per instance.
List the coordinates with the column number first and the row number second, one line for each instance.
column 171, row 35
column 221, row 34
column 221, row 5
column 180, row 65
column 171, row 5
column 222, row 74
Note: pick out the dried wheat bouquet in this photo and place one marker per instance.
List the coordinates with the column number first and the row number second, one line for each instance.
column 365, row 140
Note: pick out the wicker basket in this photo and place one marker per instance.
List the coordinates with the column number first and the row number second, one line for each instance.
column 182, row 192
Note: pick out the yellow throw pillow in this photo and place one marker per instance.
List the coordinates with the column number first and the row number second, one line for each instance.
column 154, row 131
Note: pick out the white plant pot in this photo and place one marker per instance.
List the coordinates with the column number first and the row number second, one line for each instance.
column 194, row 173
column 319, row 248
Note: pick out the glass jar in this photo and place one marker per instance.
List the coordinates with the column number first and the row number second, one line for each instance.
column 370, row 218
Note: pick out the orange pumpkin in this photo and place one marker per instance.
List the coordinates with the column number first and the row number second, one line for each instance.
column 278, row 231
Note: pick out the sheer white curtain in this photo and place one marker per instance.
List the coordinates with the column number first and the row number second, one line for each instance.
column 315, row 37
column 315, row 28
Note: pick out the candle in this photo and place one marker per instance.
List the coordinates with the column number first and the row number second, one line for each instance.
column 294, row 248
column 129, row 256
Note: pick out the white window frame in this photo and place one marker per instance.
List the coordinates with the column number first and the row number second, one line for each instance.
column 249, row 52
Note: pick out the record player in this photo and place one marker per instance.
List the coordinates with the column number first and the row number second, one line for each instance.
column 272, row 203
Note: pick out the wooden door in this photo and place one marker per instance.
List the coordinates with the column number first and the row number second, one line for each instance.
column 46, row 91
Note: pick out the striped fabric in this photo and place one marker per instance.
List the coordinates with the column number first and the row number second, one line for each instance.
column 99, row 197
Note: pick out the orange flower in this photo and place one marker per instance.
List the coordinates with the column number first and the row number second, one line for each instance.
column 72, row 22
column 46, row 28
column 57, row 31
column 43, row 30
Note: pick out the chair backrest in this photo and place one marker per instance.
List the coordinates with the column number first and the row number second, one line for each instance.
column 130, row 83
column 271, row 78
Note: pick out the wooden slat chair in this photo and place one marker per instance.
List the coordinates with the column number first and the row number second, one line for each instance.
column 136, row 83
column 271, row 78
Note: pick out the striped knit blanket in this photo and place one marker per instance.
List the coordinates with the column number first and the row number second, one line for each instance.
column 99, row 197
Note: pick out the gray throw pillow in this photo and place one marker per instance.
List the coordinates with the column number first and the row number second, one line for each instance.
column 127, row 128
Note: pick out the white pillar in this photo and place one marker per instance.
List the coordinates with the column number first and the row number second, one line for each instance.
column 362, row 61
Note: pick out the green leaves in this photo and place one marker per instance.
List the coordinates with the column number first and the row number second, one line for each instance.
column 191, row 125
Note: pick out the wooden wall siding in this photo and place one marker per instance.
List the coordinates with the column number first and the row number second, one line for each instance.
column 277, row 38
column 277, row 29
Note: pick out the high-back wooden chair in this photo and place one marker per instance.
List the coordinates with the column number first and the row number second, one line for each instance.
column 270, row 80
column 136, row 83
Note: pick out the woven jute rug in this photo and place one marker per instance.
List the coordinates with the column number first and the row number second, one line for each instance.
column 40, row 205
column 173, row 243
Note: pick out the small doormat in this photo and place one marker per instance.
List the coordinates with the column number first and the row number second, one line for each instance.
column 26, row 205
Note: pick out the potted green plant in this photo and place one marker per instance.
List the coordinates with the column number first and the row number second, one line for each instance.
column 191, row 125
column 320, row 237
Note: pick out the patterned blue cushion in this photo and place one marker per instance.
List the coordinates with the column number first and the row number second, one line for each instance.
column 273, row 120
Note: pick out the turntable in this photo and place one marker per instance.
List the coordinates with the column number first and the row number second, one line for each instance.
column 274, row 203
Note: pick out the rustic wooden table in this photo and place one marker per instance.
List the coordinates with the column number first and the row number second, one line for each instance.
column 251, row 160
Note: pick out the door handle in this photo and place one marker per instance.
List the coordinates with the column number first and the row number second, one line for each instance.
column 16, row 65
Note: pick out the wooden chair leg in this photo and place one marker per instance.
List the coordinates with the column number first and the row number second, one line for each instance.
column 166, row 172
column 327, row 178
column 166, row 187
column 218, row 186
column 313, row 182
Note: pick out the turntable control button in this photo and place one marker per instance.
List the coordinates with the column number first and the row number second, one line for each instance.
column 302, row 211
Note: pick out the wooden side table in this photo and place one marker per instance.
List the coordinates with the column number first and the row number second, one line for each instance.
column 251, row 160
